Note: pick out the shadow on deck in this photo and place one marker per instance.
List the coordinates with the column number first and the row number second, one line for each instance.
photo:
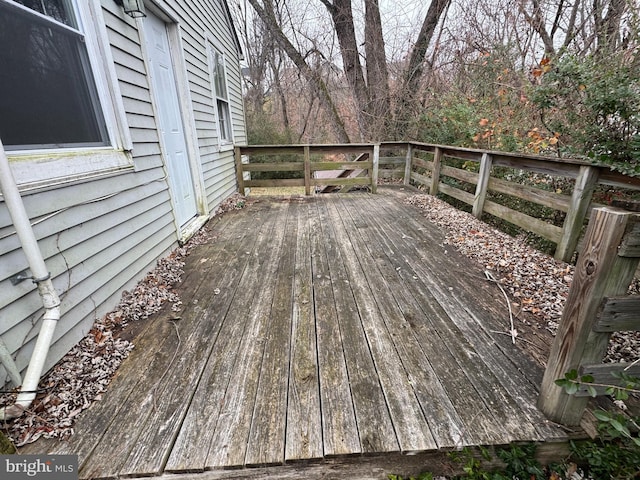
column 322, row 334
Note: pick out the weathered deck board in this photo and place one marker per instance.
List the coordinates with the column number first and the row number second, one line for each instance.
column 266, row 444
column 229, row 443
column 304, row 424
column 187, row 369
column 479, row 424
column 463, row 350
column 339, row 326
column 146, row 428
column 479, row 326
column 339, row 425
column 372, row 414
column 195, row 437
column 129, row 379
column 411, row 427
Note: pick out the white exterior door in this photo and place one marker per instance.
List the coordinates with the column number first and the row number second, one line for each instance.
column 170, row 119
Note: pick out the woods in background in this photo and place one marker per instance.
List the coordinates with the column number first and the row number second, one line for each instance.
column 559, row 77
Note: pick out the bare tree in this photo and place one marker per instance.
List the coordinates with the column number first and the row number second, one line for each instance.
column 266, row 13
column 583, row 27
column 368, row 80
column 414, row 70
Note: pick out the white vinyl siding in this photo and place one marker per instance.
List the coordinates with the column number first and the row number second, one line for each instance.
column 102, row 234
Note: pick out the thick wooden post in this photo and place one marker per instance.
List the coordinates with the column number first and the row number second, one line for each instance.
column 307, row 171
column 580, row 201
column 407, row 165
column 435, row 173
column 600, row 272
column 374, row 171
column 239, row 173
column 481, row 188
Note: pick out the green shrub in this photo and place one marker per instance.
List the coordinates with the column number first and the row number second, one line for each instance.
column 593, row 104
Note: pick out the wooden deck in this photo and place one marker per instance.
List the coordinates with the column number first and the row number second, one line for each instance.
column 333, row 327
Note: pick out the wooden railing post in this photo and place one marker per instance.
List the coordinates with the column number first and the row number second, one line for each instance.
column 307, row 170
column 600, row 272
column 580, row 200
column 374, row 171
column 435, row 173
column 239, row 172
column 407, row 165
column 481, row 188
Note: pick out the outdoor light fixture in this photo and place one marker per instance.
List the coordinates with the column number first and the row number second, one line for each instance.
column 133, row 8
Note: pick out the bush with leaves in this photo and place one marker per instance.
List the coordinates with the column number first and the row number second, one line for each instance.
column 591, row 104
column 616, row 453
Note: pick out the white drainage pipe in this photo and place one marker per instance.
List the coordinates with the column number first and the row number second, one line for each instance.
column 41, row 277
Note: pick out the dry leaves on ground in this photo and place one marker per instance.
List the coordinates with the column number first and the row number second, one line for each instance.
column 537, row 283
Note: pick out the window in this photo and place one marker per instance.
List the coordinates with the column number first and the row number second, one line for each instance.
column 48, row 97
column 221, row 97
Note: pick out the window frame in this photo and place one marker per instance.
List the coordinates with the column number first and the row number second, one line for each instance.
column 215, row 48
column 33, row 167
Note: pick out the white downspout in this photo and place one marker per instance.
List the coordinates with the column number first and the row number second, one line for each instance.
column 41, row 277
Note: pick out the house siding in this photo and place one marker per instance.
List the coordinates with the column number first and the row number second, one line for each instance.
column 99, row 237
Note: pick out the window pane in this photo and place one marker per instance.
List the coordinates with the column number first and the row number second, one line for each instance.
column 58, row 9
column 47, row 95
column 224, row 120
column 219, row 75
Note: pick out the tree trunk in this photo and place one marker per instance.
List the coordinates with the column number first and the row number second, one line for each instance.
column 537, row 22
column 608, row 31
column 413, row 73
column 377, row 74
column 342, row 16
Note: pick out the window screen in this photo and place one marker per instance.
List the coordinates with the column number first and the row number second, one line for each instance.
column 47, row 94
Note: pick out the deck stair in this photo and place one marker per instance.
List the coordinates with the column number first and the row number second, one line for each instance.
column 340, row 174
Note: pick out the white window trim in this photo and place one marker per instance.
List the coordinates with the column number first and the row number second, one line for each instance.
column 34, row 169
column 214, row 44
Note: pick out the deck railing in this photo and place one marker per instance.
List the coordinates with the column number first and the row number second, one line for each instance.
column 610, row 250
column 362, row 159
column 427, row 166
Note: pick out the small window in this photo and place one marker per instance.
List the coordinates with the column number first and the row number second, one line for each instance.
column 221, row 97
column 48, row 97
